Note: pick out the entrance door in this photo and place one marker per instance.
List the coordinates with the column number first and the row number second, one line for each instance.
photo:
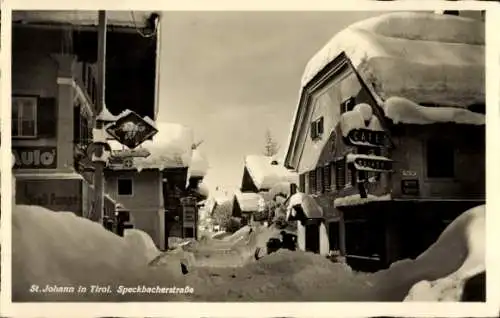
column 312, row 238
column 333, row 236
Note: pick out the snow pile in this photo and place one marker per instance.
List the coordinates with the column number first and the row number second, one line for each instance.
column 199, row 165
column 59, row 248
column 171, row 147
column 280, row 189
column 425, row 57
column 402, row 110
column 356, row 199
column 361, row 117
column 468, row 236
column 308, row 203
column 265, row 172
column 249, row 201
column 141, row 241
column 203, row 189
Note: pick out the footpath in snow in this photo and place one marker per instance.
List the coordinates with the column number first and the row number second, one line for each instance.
column 59, row 248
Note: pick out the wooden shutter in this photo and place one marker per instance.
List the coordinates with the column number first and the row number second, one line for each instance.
column 47, row 117
column 302, row 183
column 327, row 179
column 320, row 128
column 319, row 179
column 312, row 181
column 340, row 174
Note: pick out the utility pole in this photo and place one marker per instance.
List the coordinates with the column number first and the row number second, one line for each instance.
column 99, row 158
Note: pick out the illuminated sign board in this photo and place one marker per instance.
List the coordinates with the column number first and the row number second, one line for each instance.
column 366, row 137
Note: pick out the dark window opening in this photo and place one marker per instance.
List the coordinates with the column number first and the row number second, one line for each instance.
column 347, row 105
column 188, row 232
column 317, row 128
column 125, row 187
column 440, row 159
column 333, row 236
column 312, row 238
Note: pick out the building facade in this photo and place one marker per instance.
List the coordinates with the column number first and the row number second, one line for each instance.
column 387, row 142
column 54, row 96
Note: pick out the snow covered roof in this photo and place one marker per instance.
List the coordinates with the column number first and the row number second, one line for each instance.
column 133, row 19
column 249, row 201
column 424, row 57
column 314, row 207
column 402, row 110
column 199, row 164
column 265, row 174
column 170, row 148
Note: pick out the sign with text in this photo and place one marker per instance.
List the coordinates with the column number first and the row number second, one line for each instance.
column 35, row 157
column 372, row 164
column 53, row 194
column 367, row 137
column 410, row 187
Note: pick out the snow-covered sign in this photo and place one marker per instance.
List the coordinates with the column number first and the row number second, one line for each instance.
column 131, row 130
column 370, row 162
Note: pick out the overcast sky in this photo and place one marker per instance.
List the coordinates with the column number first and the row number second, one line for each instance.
column 232, row 75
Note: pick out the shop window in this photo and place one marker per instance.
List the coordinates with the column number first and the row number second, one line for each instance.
column 312, row 182
column 125, row 186
column 440, row 159
column 317, row 128
column 302, row 183
column 24, row 117
column 347, row 105
column 327, row 178
column 319, row 179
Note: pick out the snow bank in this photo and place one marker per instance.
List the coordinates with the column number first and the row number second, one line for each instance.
column 59, row 248
column 141, row 241
column 467, row 233
column 199, row 164
column 402, row 110
column 265, row 174
column 398, row 55
column 249, row 201
column 171, row 147
column 357, row 118
column 356, row 199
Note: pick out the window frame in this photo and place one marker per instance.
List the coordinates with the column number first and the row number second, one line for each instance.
column 317, row 128
column 131, row 186
column 19, row 119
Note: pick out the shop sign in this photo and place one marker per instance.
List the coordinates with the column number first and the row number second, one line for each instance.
column 410, row 187
column 53, row 194
column 367, row 137
column 35, row 157
column 131, row 130
column 372, row 164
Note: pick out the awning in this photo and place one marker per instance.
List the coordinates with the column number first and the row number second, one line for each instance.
column 307, row 206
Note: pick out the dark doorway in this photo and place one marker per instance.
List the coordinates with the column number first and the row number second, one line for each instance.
column 312, row 238
column 333, row 236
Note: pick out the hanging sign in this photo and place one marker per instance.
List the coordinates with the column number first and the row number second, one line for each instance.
column 372, row 164
column 367, row 137
column 131, row 130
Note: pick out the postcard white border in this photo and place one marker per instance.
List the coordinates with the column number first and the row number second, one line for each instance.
column 188, row 309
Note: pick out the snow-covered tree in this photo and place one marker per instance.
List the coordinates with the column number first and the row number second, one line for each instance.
column 271, row 147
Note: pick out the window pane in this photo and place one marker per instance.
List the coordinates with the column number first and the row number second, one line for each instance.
column 28, row 110
column 125, row 187
column 15, row 109
column 28, row 128
column 15, row 127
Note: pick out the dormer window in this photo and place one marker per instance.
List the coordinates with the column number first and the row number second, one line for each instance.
column 317, row 128
column 347, row 105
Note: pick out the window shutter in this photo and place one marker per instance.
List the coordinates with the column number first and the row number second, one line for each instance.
column 47, row 117
column 302, row 183
column 314, row 132
column 319, row 179
column 341, row 174
column 320, row 126
column 312, row 181
column 327, row 178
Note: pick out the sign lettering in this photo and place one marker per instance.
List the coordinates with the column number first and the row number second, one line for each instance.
column 366, row 137
column 372, row 164
column 410, row 187
column 35, row 157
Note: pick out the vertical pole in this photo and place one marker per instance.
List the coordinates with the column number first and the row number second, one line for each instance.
column 99, row 164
